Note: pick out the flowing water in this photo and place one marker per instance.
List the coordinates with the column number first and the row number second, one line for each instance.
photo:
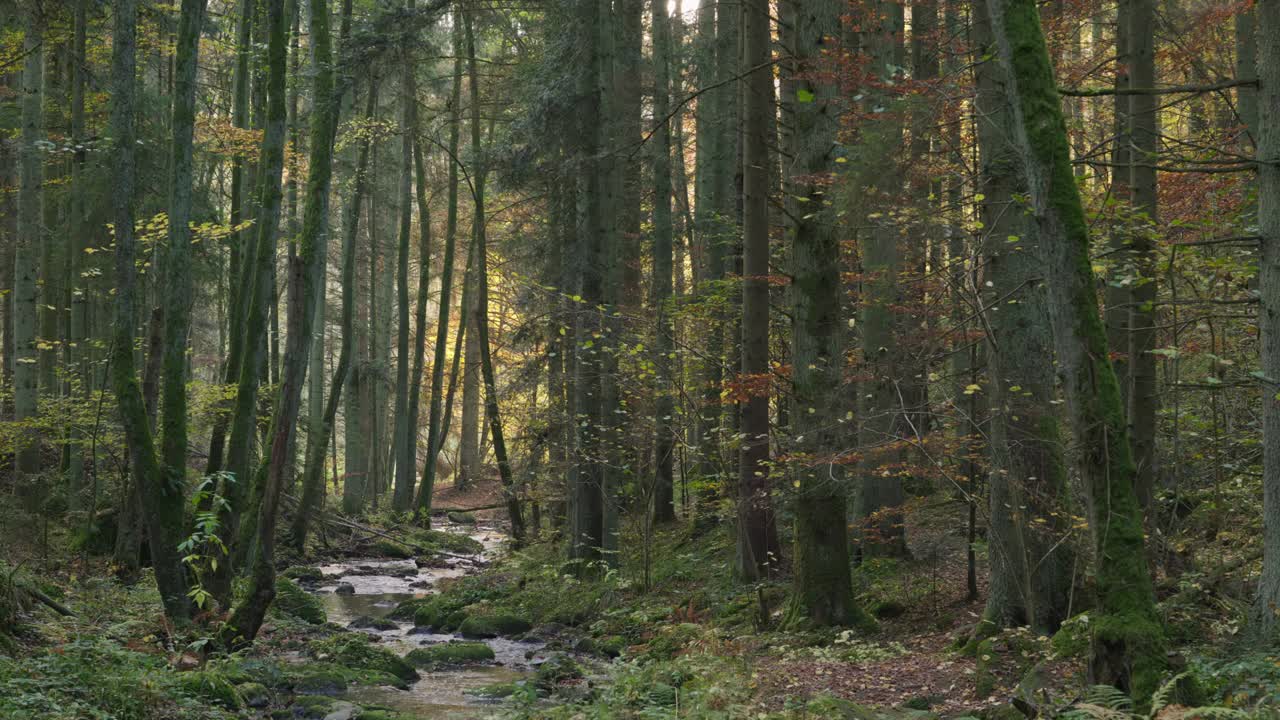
column 382, row 584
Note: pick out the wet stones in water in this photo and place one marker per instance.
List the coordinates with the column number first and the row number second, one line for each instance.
column 304, row 575
column 345, row 589
column 384, row 571
column 421, row 584
column 461, row 518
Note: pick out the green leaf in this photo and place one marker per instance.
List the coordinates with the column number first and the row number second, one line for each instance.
column 804, row 96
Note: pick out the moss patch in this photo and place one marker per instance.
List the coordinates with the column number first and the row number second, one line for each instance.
column 490, row 626
column 354, row 651
column 450, row 654
column 293, row 601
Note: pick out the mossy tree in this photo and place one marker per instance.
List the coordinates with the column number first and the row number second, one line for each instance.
column 1127, row 637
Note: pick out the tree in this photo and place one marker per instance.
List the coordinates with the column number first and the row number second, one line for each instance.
column 161, row 500
column 757, row 536
column 822, row 586
column 1127, row 638
column 1267, row 607
column 664, row 427
column 434, row 434
column 306, row 282
column 1027, row 486
column 29, row 239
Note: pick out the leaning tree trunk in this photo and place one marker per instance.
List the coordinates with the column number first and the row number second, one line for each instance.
column 509, row 490
column 162, row 503
column 260, row 265
column 434, row 435
column 1127, row 637
column 307, row 283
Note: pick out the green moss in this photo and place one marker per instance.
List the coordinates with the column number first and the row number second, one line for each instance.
column 671, row 640
column 984, row 679
column 354, row 651
column 495, row 691
column 392, row 549
column 555, row 670
column 211, row 686
column 450, row 654
column 442, row 613
column 447, row 541
column 312, row 706
column 461, row 518
column 293, row 601
column 490, row 626
column 304, row 573
column 255, row 695
column 318, row 679
column 407, row 609
column 372, row 623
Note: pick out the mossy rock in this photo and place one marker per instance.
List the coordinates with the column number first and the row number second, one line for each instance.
column 303, row 573
column 391, row 549
column 254, row 695
column 377, row 714
column 496, row 691
column 448, row 541
column 365, row 622
column 312, row 706
column 255, row 670
column 461, row 518
column 496, row 625
column 319, row 679
column 672, row 639
column 984, row 678
column 833, row 708
column 556, row 669
column 211, row 686
column 354, row 651
column 293, row 601
column 450, row 654
column 408, row 608
column 442, row 614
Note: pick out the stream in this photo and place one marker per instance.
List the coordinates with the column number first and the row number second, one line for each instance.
column 379, row 586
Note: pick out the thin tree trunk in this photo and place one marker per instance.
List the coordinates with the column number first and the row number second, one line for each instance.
column 509, row 490
column 664, row 408
column 757, row 537
column 435, row 437
column 28, row 244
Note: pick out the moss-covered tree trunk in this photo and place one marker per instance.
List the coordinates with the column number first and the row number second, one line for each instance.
column 404, row 435
column 307, row 283
column 1030, row 565
column 162, row 503
column 257, row 309
column 822, row 592
column 1127, row 637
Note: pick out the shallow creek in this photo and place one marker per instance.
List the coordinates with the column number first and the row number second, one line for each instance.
column 382, row 584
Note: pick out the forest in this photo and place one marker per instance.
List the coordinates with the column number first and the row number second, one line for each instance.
column 559, row 359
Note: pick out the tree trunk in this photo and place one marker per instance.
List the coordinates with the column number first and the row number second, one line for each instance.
column 1266, row 615
column 306, row 283
column 241, row 495
column 435, row 438
column 1030, row 565
column 509, row 489
column 822, row 592
column 664, row 407
column 28, row 244
column 405, row 432
column 757, row 536
column 1127, row 639
column 163, row 503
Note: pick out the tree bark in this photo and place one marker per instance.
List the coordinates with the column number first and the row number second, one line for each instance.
column 1127, row 638
column 664, row 407
column 28, row 243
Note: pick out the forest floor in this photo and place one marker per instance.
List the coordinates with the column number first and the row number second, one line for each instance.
column 682, row 640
